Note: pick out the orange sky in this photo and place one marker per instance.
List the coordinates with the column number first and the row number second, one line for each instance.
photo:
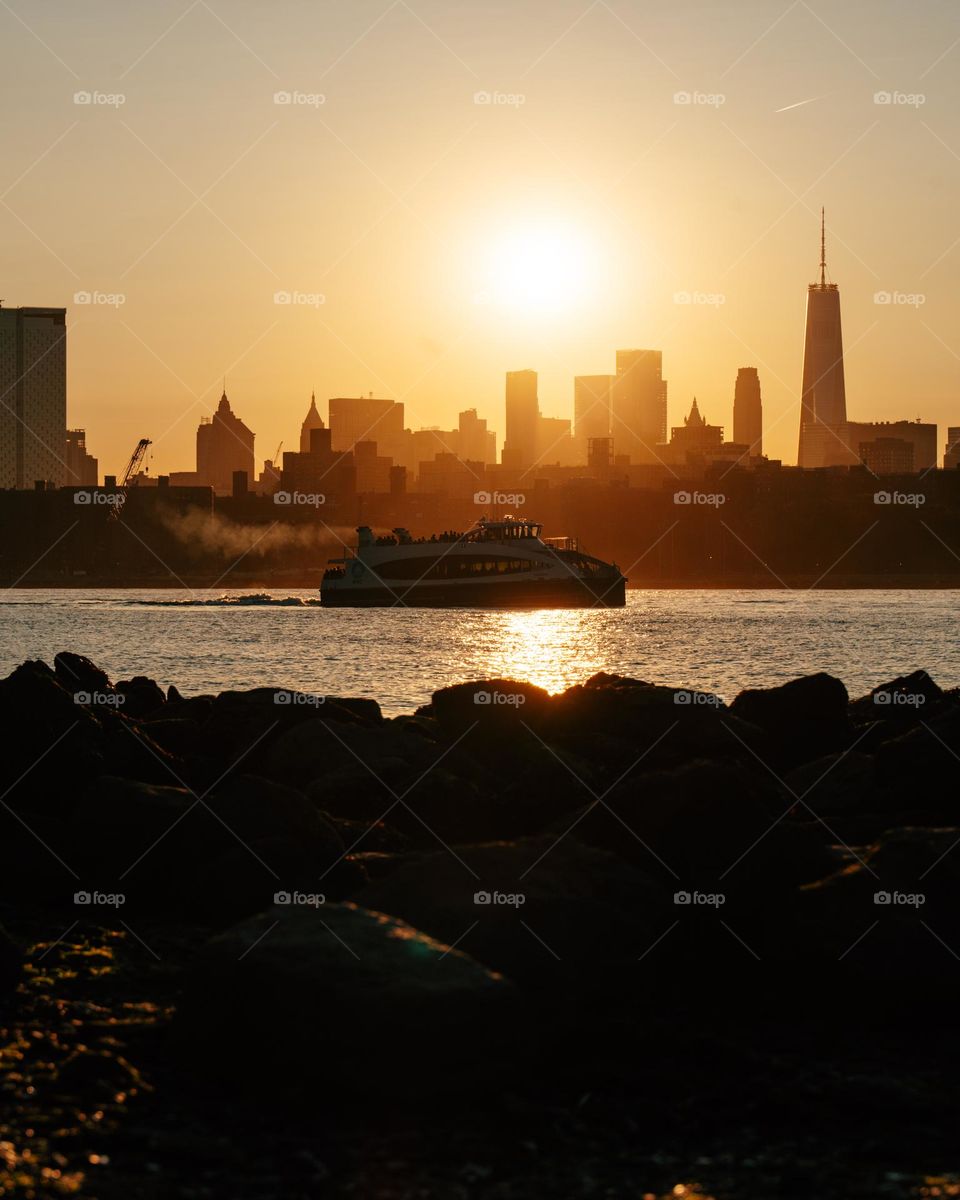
column 385, row 188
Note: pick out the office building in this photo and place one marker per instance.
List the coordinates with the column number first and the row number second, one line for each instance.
column 311, row 421
column 951, row 455
column 823, row 400
column 81, row 468
column 522, row 417
column 224, row 445
column 748, row 411
column 639, row 405
column 591, row 410
column 356, row 419
column 33, row 396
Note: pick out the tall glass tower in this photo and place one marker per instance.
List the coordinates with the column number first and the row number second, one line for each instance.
column 823, row 398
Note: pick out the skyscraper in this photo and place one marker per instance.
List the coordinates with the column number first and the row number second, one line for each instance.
column 312, row 420
column 356, row 419
column 33, row 396
column 748, row 410
column 522, row 419
column 224, row 445
column 639, row 404
column 591, row 410
column 823, row 402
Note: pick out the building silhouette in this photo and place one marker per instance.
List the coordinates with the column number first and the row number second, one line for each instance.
column 356, row 419
column 33, row 387
column 312, row 420
column 224, row 445
column 522, row 419
column 694, row 436
column 823, row 400
column 951, row 454
column 591, row 410
column 82, row 469
column 748, row 410
column 888, row 456
column 639, row 404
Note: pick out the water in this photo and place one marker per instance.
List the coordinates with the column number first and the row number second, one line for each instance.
column 720, row 641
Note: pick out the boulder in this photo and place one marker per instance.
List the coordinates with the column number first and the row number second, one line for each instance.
column 323, row 1001
column 804, row 719
column 890, row 916
column 496, row 706
column 537, row 910
column 140, row 695
column 52, row 742
column 78, row 674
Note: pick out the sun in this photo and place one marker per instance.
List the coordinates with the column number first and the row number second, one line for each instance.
column 544, row 267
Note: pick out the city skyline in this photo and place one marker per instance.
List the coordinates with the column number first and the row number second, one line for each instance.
column 423, row 273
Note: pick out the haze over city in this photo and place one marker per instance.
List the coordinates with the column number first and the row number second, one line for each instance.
column 446, row 193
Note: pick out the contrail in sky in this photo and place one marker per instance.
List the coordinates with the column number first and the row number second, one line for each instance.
column 799, row 104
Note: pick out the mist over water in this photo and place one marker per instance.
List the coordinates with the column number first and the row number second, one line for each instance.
column 720, row 641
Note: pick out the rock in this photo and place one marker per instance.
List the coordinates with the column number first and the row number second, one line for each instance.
column 222, row 855
column 98, row 1074
column 11, row 965
column 140, row 696
column 315, row 748
column 78, row 674
column 890, row 916
column 496, row 705
column 173, row 694
column 323, row 1001
column 52, row 744
column 576, row 913
column 804, row 719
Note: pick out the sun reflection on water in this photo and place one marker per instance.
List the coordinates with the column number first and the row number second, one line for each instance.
column 547, row 647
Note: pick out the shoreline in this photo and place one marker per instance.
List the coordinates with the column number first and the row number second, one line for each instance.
column 302, row 583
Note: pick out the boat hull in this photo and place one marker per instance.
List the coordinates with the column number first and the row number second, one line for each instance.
column 533, row 593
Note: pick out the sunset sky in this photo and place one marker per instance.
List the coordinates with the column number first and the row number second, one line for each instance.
column 453, row 240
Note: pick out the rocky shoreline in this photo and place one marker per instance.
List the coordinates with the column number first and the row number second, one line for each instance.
column 617, row 941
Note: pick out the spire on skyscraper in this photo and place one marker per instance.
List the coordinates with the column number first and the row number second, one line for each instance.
column 823, row 248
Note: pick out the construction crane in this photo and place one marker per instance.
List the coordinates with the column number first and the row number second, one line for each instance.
column 136, row 460
column 276, row 456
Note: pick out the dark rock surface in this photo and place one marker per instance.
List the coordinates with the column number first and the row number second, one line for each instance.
column 259, row 894
column 296, row 979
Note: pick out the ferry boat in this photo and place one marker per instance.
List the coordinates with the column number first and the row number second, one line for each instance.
column 496, row 564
